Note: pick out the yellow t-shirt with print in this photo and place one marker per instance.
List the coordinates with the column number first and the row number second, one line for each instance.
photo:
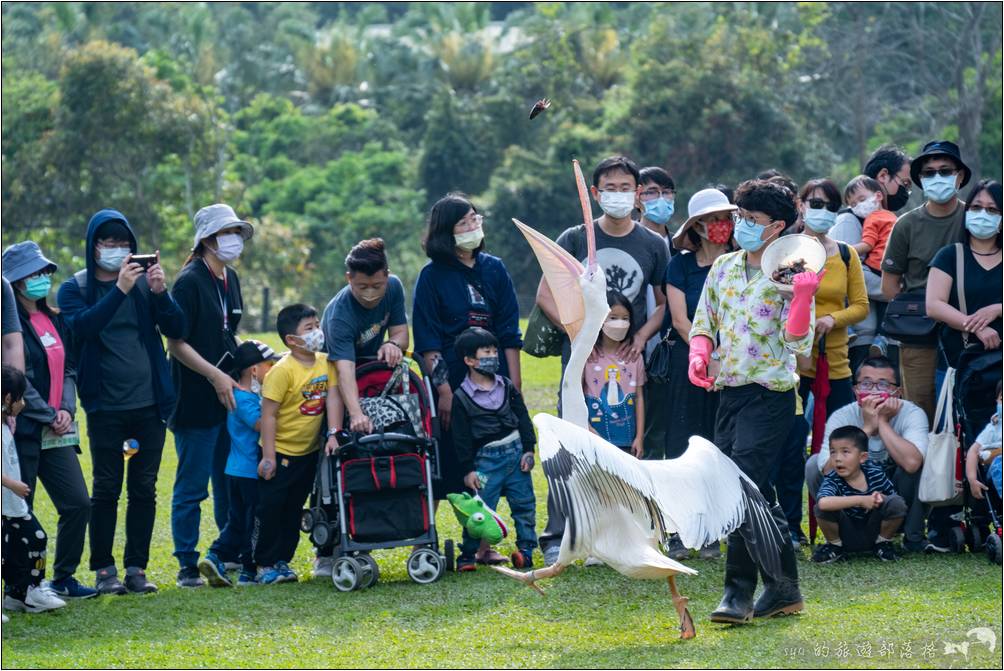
column 300, row 390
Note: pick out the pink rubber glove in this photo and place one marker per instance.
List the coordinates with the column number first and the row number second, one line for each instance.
column 804, row 287
column 700, row 355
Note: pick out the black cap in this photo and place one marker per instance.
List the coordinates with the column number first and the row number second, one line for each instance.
column 250, row 353
column 939, row 148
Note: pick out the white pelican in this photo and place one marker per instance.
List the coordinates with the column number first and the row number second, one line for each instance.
column 618, row 508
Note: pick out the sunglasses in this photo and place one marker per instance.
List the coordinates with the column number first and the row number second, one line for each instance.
column 818, row 204
column 941, row 172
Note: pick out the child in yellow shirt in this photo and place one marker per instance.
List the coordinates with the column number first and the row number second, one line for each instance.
column 296, row 393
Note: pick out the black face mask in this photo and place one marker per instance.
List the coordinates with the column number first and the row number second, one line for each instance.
column 897, row 201
column 487, row 365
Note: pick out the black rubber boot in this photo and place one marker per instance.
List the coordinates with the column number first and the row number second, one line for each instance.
column 736, row 606
column 781, row 595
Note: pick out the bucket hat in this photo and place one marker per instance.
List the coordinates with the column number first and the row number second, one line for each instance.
column 212, row 219
column 940, row 148
column 24, row 259
column 701, row 203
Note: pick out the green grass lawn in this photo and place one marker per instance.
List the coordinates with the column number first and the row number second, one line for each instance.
column 858, row 614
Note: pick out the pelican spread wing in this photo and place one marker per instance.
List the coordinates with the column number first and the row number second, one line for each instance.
column 701, row 495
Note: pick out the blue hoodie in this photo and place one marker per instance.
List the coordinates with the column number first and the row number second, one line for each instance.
column 85, row 318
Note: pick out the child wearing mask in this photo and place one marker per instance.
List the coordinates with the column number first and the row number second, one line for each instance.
column 296, row 393
column 23, row 537
column 251, row 363
column 494, row 440
column 986, row 449
column 613, row 386
column 867, row 201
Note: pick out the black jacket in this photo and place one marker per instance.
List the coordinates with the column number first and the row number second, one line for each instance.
column 37, row 412
column 472, row 427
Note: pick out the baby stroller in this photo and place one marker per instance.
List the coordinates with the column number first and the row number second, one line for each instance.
column 975, row 400
column 375, row 492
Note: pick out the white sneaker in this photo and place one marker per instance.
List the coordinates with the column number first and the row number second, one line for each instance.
column 592, row 561
column 38, row 599
column 323, row 566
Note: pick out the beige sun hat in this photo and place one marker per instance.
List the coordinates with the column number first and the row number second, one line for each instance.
column 701, row 203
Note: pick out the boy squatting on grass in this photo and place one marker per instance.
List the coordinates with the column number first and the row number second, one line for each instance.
column 856, row 501
column 493, row 437
column 299, row 391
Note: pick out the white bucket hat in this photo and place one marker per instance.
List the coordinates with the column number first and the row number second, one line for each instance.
column 705, row 201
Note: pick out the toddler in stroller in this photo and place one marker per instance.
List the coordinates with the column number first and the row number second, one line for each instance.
column 983, row 464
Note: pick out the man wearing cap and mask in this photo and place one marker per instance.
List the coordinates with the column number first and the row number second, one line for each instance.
column 916, row 237
column 209, row 293
column 118, row 312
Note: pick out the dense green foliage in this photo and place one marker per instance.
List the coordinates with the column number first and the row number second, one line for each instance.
column 328, row 122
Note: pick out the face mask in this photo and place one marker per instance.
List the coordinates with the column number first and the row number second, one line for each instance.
column 111, row 258
column 369, row 296
column 229, row 247
column 616, row 329
column 313, row 340
column 469, row 240
column 939, row 189
column 616, row 204
column 37, row 287
column 998, row 408
column 897, row 201
column 820, row 220
column 659, row 210
column 884, row 395
column 865, row 207
column 983, row 225
column 717, row 232
column 487, row 365
column 748, row 235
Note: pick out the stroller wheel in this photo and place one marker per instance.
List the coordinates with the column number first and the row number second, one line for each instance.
column 450, row 554
column 994, row 548
column 425, row 566
column 307, row 520
column 371, row 572
column 321, row 534
column 975, row 539
column 347, row 574
column 957, row 539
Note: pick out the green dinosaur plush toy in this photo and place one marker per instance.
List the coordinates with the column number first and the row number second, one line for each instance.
column 480, row 521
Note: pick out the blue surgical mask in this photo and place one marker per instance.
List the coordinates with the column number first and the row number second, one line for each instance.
column 983, row 225
column 939, row 189
column 749, row 234
column 821, row 220
column 659, row 210
column 37, row 287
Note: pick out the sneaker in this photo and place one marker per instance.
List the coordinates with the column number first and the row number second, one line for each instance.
column 188, row 576
column 137, row 583
column 522, row 558
column 885, row 551
column 551, row 554
column 827, row 553
column 41, row 599
column 879, row 346
column 593, row 561
column 466, row 563
column 803, row 540
column 676, row 549
column 712, row 550
column 247, row 578
column 268, row 575
column 214, row 571
column 286, row 574
column 323, row 567
column 489, row 557
column 70, row 588
column 232, row 565
column 108, row 583
column 933, row 548
column 914, row 546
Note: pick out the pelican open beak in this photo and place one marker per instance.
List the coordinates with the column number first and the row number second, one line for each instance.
column 562, row 272
column 587, row 215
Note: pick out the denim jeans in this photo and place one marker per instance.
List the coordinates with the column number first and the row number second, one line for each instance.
column 995, row 473
column 202, row 455
column 500, row 465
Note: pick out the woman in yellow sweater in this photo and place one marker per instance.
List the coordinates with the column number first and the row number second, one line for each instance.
column 842, row 299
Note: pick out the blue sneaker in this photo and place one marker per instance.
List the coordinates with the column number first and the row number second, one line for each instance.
column 268, row 575
column 69, row 588
column 214, row 571
column 247, row 578
column 286, row 574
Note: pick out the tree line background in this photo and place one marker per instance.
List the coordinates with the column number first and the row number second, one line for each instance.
column 325, row 123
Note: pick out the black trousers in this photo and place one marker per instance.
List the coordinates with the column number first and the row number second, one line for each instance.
column 280, row 503
column 59, row 470
column 24, row 543
column 235, row 539
column 108, row 430
column 690, row 410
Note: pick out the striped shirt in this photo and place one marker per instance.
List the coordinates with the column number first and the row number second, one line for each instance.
column 875, row 477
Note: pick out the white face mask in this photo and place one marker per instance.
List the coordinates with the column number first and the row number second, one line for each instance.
column 617, row 204
column 616, row 329
column 229, row 247
column 255, row 386
column 469, row 240
column 313, row 340
column 866, row 207
column 111, row 258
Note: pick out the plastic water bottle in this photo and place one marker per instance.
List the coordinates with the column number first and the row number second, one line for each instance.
column 129, row 448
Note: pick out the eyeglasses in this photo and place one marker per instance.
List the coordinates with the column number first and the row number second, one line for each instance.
column 652, row 194
column 976, row 209
column 111, row 244
column 881, row 385
column 623, row 189
column 941, row 172
column 739, row 215
column 469, row 223
column 818, row 204
column 41, row 273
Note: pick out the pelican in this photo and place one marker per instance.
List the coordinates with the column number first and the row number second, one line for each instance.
column 617, row 508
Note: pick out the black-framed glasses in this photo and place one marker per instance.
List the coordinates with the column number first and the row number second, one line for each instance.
column 738, row 216
column 651, row 194
column 928, row 173
column 976, row 209
column 626, row 189
column 881, row 385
